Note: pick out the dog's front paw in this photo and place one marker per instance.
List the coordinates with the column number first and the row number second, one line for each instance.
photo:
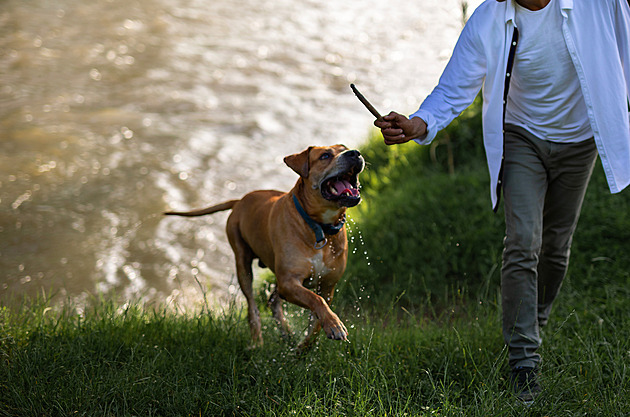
column 334, row 328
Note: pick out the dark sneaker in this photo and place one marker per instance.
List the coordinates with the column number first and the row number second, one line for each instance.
column 524, row 381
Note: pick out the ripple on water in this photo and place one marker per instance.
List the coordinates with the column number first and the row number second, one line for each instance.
column 112, row 115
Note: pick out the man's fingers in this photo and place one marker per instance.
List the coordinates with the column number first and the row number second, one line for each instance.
column 381, row 124
column 391, row 116
column 395, row 140
column 389, row 121
column 393, row 135
column 391, row 128
column 390, row 132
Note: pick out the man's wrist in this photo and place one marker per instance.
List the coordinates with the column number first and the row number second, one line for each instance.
column 419, row 128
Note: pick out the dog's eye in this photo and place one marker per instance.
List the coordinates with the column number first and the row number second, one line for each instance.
column 325, row 156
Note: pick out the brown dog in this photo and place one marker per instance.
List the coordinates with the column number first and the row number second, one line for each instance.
column 299, row 235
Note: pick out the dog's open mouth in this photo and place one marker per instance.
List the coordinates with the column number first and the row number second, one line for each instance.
column 343, row 189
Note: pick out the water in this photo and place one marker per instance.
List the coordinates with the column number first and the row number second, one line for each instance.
column 114, row 111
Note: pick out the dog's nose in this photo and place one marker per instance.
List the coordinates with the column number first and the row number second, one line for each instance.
column 353, row 154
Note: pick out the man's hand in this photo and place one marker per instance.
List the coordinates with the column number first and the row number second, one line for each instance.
column 397, row 129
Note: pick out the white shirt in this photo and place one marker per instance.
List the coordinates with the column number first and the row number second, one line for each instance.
column 597, row 36
column 545, row 95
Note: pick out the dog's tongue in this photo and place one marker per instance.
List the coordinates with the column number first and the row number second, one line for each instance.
column 344, row 187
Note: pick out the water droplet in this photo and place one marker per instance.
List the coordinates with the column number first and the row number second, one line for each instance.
column 95, row 74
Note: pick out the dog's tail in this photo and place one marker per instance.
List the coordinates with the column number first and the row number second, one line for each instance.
column 219, row 207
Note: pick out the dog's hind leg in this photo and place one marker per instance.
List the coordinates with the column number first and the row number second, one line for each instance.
column 275, row 304
column 244, row 257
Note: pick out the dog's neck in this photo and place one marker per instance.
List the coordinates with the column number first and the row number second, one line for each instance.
column 333, row 216
column 324, row 213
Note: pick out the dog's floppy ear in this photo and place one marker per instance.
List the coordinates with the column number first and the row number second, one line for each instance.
column 299, row 162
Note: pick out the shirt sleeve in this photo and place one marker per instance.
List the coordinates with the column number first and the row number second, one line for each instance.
column 622, row 31
column 458, row 86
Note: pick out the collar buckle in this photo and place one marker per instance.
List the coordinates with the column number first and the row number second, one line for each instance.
column 320, row 244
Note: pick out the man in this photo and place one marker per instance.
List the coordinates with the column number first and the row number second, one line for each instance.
column 555, row 76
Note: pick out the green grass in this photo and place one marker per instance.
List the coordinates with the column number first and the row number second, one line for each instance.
column 124, row 361
column 420, row 299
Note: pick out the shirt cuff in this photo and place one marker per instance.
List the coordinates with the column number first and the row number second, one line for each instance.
column 430, row 121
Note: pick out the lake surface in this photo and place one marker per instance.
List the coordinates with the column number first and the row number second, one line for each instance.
column 114, row 111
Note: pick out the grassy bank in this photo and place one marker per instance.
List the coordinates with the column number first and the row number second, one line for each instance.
column 419, row 299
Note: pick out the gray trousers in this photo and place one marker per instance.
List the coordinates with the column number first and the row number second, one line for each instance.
column 543, row 186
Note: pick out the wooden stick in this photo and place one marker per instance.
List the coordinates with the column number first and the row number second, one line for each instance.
column 366, row 103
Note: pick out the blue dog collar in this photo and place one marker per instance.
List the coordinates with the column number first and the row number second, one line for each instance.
column 320, row 229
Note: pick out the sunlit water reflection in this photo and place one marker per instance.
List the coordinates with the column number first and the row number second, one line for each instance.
column 113, row 111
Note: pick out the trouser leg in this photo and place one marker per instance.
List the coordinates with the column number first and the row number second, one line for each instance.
column 544, row 185
column 524, row 190
column 563, row 203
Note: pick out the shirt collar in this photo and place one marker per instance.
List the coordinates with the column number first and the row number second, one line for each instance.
column 510, row 9
column 566, row 5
